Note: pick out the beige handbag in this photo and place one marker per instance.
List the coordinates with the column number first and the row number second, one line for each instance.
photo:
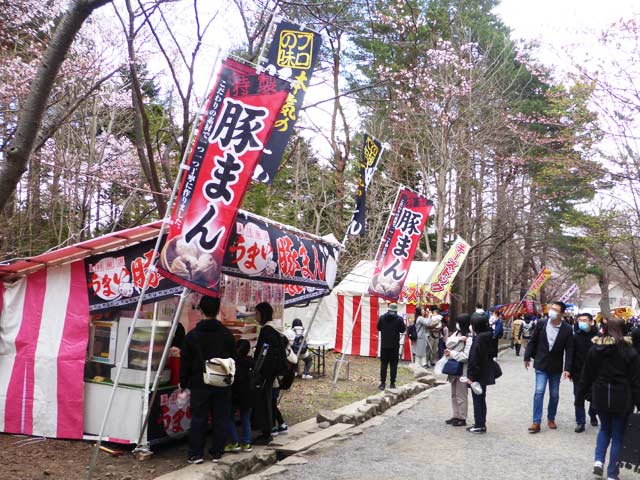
column 219, row 372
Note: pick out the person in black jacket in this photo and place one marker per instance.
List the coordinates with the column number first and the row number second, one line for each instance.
column 210, row 339
column 635, row 338
column 581, row 345
column 274, row 361
column 552, row 341
column 611, row 376
column 242, row 399
column 390, row 326
column 481, row 369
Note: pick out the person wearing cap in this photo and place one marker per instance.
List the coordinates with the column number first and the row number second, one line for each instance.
column 390, row 326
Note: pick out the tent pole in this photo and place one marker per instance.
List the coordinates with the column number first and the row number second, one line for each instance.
column 337, row 374
column 152, row 269
column 147, row 378
column 163, row 360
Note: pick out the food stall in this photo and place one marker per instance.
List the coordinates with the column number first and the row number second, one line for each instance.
column 96, row 285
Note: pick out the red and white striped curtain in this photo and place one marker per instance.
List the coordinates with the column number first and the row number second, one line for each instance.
column 365, row 339
column 43, row 341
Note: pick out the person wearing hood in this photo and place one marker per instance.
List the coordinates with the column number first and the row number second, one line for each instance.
column 210, row 339
column 582, row 343
column 390, row 326
column 611, row 376
column 296, row 337
column 551, row 343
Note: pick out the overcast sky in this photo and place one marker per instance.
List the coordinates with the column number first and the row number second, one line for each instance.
column 564, row 27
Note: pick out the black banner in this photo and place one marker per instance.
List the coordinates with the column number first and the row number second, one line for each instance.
column 292, row 55
column 293, row 295
column 262, row 250
column 371, row 152
column 115, row 279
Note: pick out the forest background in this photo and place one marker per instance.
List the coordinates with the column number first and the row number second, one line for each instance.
column 98, row 98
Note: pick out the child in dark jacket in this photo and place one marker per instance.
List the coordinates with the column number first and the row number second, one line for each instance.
column 582, row 343
column 241, row 399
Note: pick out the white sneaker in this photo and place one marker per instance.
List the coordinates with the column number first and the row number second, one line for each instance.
column 307, row 377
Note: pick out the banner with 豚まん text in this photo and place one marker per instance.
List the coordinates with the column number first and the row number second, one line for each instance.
column 240, row 115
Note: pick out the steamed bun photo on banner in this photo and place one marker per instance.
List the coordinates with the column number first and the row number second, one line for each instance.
column 240, row 115
column 399, row 242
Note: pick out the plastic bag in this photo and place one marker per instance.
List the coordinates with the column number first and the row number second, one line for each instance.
column 439, row 366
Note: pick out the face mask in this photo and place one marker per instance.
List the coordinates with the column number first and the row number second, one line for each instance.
column 458, row 326
column 553, row 315
column 584, row 326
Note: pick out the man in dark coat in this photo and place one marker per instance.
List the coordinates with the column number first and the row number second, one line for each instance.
column 552, row 341
column 582, row 343
column 390, row 326
column 210, row 339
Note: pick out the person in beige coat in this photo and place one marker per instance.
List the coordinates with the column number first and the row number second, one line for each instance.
column 458, row 347
column 434, row 331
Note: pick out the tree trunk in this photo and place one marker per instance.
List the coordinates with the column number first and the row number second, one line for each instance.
column 603, row 283
column 21, row 146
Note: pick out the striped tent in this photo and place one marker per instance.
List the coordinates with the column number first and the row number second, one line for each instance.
column 349, row 304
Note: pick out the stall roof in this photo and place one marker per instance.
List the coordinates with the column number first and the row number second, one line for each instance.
column 24, row 266
column 79, row 251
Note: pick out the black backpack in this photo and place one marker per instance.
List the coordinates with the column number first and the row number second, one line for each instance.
column 412, row 332
column 299, row 345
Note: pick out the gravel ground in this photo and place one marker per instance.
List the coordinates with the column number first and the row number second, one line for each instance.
column 418, row 445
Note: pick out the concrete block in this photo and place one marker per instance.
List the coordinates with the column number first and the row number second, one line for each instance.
column 330, row 416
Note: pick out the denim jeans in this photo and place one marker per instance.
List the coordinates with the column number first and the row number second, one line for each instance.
column 480, row 408
column 554, row 395
column 612, row 427
column 245, row 419
column 581, row 414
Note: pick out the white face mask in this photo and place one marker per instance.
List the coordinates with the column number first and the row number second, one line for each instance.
column 458, row 326
column 553, row 315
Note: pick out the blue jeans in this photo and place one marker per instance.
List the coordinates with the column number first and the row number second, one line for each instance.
column 581, row 414
column 245, row 418
column 612, row 427
column 554, row 395
column 480, row 408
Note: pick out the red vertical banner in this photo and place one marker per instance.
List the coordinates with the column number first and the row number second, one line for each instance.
column 399, row 242
column 240, row 115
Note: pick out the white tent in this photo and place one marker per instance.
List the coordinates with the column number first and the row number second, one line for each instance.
column 336, row 312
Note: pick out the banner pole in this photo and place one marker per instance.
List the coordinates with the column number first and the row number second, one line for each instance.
column 147, row 377
column 152, row 269
column 165, row 354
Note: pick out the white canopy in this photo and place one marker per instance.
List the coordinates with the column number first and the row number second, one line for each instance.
column 355, row 284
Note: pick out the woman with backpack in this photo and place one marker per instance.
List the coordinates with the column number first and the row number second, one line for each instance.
column 419, row 342
column 271, row 361
column 481, row 369
column 458, row 347
column 611, row 377
column 296, row 337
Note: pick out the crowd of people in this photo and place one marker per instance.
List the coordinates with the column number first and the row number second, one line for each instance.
column 601, row 359
column 253, row 395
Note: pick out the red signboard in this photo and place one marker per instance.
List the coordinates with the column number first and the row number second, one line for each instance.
column 399, row 242
column 241, row 111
